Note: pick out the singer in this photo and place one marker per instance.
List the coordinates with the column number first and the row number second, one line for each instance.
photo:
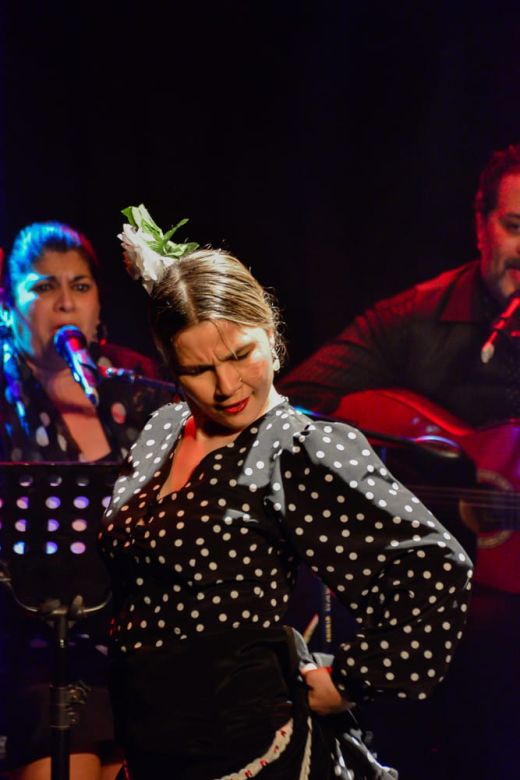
column 51, row 280
column 428, row 340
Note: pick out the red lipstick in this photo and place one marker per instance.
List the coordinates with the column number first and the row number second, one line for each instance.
column 235, row 408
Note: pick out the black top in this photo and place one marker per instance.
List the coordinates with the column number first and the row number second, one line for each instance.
column 33, row 430
column 220, row 554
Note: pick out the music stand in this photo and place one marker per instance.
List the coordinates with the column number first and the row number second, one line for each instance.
column 49, row 520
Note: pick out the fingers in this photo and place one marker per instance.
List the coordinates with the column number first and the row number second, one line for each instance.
column 325, row 705
column 323, row 696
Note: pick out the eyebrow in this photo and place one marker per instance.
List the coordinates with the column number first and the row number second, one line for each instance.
column 53, row 278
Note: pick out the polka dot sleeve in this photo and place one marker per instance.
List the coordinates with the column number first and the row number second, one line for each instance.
column 389, row 561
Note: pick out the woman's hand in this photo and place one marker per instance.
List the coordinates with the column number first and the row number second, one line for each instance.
column 324, row 697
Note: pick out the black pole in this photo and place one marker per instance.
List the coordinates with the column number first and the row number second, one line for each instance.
column 65, row 699
column 59, row 697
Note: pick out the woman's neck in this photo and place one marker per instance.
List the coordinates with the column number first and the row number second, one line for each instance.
column 77, row 412
column 46, row 373
column 202, row 429
column 50, row 372
column 61, row 387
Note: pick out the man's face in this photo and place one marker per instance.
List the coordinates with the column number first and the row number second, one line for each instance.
column 499, row 240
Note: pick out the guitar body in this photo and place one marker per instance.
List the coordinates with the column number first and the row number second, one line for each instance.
column 493, row 509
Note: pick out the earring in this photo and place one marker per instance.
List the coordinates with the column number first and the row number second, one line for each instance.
column 276, row 362
column 100, row 336
column 6, row 321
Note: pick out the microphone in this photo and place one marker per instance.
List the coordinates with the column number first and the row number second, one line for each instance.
column 500, row 325
column 71, row 345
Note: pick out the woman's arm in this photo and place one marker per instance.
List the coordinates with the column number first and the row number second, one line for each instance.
column 389, row 561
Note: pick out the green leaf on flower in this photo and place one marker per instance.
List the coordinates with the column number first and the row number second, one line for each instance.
column 139, row 217
column 128, row 214
column 172, row 230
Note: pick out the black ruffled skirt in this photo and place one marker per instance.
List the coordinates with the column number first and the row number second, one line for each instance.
column 208, row 707
column 231, row 706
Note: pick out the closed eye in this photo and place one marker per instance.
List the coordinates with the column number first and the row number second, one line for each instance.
column 192, row 371
column 198, row 370
column 241, row 355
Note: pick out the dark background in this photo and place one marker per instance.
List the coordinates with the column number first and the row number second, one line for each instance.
column 333, row 146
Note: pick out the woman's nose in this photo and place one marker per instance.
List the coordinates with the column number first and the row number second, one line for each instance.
column 229, row 380
column 65, row 299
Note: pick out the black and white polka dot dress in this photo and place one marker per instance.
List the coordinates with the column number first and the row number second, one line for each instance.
column 221, row 553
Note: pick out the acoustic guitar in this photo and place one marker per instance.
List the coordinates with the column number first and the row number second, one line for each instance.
column 492, row 507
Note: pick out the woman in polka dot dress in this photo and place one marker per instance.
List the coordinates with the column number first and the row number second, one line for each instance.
column 222, row 496
column 50, row 279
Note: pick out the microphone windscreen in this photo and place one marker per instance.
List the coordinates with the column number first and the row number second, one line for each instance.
column 68, row 335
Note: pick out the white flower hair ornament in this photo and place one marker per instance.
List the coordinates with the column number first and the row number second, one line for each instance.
column 148, row 251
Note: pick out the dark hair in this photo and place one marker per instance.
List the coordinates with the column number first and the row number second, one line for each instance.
column 500, row 164
column 34, row 240
column 210, row 285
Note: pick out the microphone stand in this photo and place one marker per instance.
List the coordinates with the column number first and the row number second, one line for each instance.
column 500, row 325
column 132, row 378
column 48, row 587
column 65, row 699
column 71, row 345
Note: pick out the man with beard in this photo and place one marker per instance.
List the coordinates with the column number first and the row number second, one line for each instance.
column 429, row 340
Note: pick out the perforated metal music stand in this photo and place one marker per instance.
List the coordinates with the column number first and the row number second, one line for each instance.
column 50, row 515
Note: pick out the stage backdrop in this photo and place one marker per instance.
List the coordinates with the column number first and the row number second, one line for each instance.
column 333, row 146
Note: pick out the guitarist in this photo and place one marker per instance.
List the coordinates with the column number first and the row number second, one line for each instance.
column 428, row 340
